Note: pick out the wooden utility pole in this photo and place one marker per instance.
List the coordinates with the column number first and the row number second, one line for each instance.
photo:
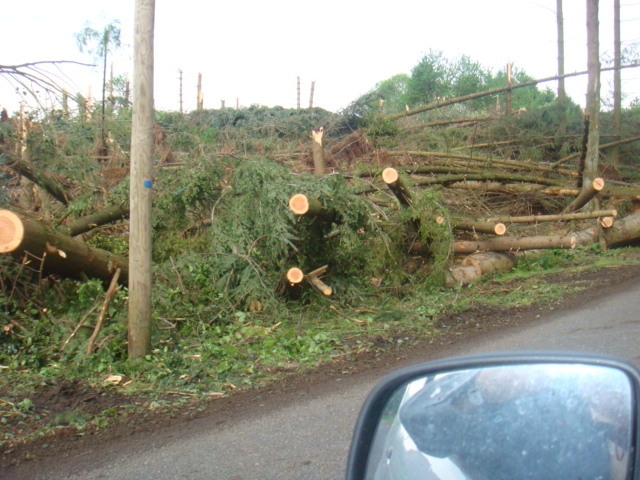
column 617, row 85
column 143, row 120
column 298, row 93
column 593, row 94
column 562, row 93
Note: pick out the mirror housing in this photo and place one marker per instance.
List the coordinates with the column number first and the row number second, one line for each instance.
column 394, row 401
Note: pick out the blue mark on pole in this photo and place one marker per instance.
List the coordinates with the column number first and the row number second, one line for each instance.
column 148, row 184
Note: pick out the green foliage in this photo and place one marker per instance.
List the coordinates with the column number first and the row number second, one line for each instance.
column 99, row 43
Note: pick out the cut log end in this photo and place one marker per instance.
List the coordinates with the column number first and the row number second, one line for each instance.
column 500, row 229
column 607, row 222
column 295, row 276
column 299, row 204
column 390, row 175
column 11, row 231
column 597, row 184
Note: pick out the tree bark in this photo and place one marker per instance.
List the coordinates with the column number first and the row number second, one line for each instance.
column 89, row 222
column 61, row 254
column 503, row 244
column 490, row 262
column 143, row 120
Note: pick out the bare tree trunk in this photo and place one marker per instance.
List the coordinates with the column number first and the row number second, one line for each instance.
column 180, row 77
column 143, row 120
column 562, row 93
column 200, row 98
column 313, row 87
column 617, row 85
column 593, row 94
column 507, row 96
column 318, row 152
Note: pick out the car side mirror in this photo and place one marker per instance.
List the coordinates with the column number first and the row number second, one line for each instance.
column 506, row 416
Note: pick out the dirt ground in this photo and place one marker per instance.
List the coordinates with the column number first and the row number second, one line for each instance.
column 57, row 398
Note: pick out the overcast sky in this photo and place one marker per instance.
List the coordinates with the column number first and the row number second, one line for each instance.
column 252, row 51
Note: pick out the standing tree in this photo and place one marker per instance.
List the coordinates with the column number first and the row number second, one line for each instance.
column 143, row 119
column 590, row 170
column 100, row 44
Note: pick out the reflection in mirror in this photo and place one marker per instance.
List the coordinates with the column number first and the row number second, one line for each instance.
column 532, row 421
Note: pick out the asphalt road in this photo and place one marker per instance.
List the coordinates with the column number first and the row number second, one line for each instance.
column 308, row 438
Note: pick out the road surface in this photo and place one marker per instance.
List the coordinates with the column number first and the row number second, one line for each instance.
column 308, row 437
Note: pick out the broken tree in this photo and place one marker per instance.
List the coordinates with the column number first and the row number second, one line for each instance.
column 59, row 253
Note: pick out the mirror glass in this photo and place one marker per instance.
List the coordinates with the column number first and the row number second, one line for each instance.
column 533, row 421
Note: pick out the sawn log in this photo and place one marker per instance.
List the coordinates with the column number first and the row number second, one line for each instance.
column 61, row 254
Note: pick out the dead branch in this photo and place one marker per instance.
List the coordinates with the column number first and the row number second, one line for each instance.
column 113, row 288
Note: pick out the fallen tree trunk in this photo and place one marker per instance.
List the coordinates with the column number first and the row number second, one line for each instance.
column 300, row 204
column 400, row 190
column 555, row 218
column 586, row 194
column 503, row 244
column 478, row 264
column 625, row 231
column 60, row 253
column 47, row 183
column 480, row 227
column 89, row 222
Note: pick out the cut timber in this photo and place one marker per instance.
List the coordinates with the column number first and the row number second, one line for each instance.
column 392, row 179
column 61, row 254
column 490, row 262
column 314, row 280
column 607, row 222
column 480, row 227
column 319, row 285
column 318, row 152
column 460, row 275
column 295, row 276
column 504, row 244
column 556, row 218
column 478, row 264
column 300, row 204
column 586, row 194
column 89, row 222
column 623, row 232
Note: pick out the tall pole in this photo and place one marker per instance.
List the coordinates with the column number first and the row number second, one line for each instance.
column 562, row 92
column 617, row 84
column 140, row 191
column 593, row 94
